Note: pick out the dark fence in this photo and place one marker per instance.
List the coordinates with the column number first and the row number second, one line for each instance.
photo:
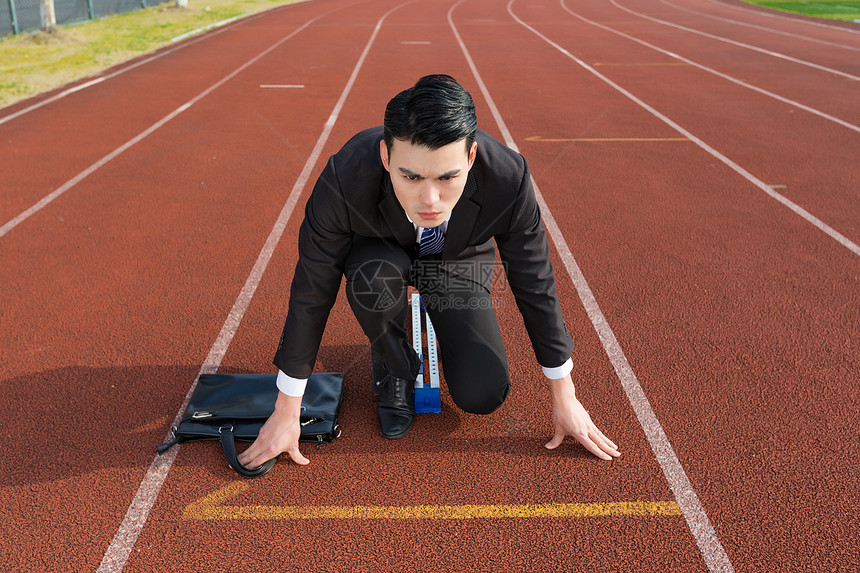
column 26, row 15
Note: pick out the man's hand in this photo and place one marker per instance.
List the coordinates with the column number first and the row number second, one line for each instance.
column 570, row 419
column 279, row 434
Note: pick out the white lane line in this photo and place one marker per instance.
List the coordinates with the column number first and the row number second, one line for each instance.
column 284, row 86
column 161, row 54
column 738, row 44
column 138, row 511
column 762, row 28
column 52, row 99
column 734, row 80
column 26, row 214
column 80, row 87
column 797, row 209
column 712, row 551
column 784, row 16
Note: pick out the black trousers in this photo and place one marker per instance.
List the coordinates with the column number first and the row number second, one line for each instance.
column 472, row 354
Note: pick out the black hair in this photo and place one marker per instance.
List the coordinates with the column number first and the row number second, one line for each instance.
column 435, row 112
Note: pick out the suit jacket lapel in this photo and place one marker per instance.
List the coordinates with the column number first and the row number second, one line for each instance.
column 394, row 215
column 463, row 219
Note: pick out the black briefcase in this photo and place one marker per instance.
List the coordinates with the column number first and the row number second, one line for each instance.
column 230, row 407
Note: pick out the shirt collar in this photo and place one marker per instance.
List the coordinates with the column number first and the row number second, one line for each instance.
column 419, row 229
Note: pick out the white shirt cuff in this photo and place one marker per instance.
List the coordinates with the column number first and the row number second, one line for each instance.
column 291, row 386
column 558, row 371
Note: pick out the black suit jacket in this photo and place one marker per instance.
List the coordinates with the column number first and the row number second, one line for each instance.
column 353, row 197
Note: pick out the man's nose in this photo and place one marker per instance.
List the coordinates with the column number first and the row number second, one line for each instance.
column 429, row 194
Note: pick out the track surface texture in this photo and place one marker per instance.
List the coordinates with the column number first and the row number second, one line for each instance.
column 698, row 164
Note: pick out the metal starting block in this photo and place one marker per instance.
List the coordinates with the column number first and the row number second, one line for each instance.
column 428, row 395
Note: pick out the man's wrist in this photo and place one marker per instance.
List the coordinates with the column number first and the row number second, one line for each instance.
column 290, row 406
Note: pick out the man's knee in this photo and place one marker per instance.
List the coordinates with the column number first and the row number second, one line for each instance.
column 476, row 371
column 485, row 402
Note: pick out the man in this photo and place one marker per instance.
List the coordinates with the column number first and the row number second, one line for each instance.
column 421, row 201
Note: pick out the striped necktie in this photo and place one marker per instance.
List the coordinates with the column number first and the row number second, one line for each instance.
column 432, row 241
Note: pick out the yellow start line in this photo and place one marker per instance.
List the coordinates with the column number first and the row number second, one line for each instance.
column 212, row 507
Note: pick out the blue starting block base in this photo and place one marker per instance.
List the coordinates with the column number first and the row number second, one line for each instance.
column 428, row 400
column 428, row 395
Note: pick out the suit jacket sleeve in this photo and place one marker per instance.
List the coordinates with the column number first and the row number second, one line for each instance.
column 525, row 253
column 325, row 239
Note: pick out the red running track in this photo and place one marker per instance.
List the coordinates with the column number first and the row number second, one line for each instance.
column 697, row 160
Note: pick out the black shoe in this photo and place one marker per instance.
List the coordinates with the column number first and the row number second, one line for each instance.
column 396, row 407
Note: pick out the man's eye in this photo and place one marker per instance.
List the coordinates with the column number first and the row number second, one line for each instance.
column 445, row 178
column 413, row 177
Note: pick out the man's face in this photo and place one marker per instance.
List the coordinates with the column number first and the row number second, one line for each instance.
column 428, row 182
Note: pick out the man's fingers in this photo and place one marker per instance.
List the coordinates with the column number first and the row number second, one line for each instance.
column 584, row 440
column 594, row 449
column 256, row 455
column 603, row 437
column 605, row 445
column 612, row 449
column 596, row 443
column 256, row 461
column 556, row 441
column 277, row 436
column 248, row 455
column 297, row 457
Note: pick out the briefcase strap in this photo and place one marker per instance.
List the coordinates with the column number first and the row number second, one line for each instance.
column 228, row 444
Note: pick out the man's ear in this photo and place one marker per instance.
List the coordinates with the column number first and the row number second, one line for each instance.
column 473, row 152
column 383, row 154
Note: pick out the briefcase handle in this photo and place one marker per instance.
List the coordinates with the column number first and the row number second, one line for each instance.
column 228, row 444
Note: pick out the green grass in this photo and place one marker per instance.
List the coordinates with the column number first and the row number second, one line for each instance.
column 847, row 10
column 36, row 62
